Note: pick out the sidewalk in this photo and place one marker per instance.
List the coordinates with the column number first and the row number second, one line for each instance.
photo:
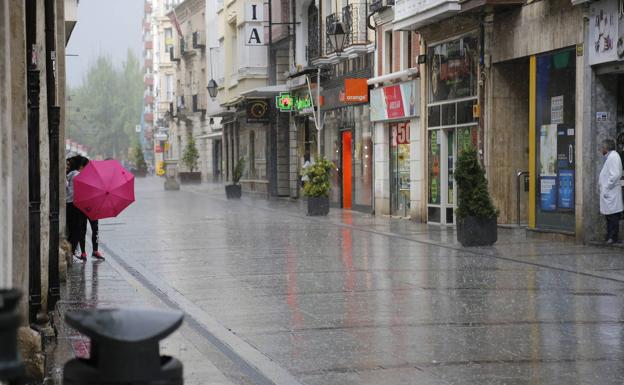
column 105, row 284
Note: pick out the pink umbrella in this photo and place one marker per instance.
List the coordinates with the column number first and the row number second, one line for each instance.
column 103, row 189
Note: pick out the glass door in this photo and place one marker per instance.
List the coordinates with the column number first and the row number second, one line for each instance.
column 400, row 170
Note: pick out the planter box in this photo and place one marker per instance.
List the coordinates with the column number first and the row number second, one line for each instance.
column 233, row 191
column 473, row 231
column 190, row 177
column 318, row 206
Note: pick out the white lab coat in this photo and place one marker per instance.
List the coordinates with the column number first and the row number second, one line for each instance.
column 609, row 184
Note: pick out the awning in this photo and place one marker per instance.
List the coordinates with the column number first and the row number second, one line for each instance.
column 263, row 92
column 305, row 71
column 233, row 102
column 221, row 113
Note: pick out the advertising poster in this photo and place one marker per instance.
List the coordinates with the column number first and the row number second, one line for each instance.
column 565, row 186
column 603, row 31
column 548, row 150
column 556, row 110
column 394, row 102
column 548, row 193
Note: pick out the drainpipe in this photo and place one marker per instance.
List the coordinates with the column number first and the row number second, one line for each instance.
column 34, row 182
column 53, row 133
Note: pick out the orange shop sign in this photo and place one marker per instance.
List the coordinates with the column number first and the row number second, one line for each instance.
column 355, row 90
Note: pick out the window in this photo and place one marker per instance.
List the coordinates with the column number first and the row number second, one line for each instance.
column 169, row 87
column 168, row 39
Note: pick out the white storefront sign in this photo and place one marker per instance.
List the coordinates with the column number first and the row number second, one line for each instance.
column 422, row 12
column 254, row 17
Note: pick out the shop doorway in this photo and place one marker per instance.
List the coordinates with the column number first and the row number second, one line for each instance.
column 347, row 168
column 400, row 169
column 444, row 145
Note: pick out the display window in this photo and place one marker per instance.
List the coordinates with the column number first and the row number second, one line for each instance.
column 555, row 98
column 451, row 123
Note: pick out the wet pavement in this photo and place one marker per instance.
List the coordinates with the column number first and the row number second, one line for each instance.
column 357, row 299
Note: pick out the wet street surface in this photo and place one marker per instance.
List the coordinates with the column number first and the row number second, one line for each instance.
column 357, row 299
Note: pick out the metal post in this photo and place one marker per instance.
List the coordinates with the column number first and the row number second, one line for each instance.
column 518, row 189
column 34, row 183
column 53, row 133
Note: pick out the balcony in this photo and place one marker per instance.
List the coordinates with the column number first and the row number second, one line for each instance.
column 148, row 8
column 149, row 80
column 147, row 26
column 148, row 117
column 149, row 99
column 149, row 63
column 149, row 44
column 354, row 18
column 199, row 40
column 380, row 5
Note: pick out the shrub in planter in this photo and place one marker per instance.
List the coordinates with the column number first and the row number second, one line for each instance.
column 190, row 158
column 476, row 214
column 141, row 167
column 234, row 191
column 316, row 186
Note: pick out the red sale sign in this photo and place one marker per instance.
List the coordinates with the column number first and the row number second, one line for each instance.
column 394, row 101
column 400, row 133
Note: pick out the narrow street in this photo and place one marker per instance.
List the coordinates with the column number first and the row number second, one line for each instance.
column 357, row 299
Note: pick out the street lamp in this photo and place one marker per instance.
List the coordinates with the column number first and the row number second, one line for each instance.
column 337, row 36
column 213, row 89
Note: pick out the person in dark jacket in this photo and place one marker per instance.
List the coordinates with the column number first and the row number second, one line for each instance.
column 95, row 229
column 76, row 219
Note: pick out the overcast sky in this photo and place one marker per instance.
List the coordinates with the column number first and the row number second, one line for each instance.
column 107, row 27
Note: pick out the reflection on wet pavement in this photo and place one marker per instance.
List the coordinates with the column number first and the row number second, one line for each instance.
column 357, row 299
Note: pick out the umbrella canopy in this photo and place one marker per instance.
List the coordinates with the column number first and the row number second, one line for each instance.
column 103, row 189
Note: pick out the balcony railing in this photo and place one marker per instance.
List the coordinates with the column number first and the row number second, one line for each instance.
column 149, row 99
column 148, row 7
column 314, row 49
column 149, row 80
column 149, row 117
column 149, row 44
column 354, row 18
column 329, row 22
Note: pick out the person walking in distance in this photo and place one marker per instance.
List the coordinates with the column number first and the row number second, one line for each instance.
column 95, row 231
column 611, row 205
column 76, row 220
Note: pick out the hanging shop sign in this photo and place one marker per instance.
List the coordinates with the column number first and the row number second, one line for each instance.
column 254, row 29
column 397, row 101
column 355, row 91
column 258, row 111
column 286, row 102
column 606, row 31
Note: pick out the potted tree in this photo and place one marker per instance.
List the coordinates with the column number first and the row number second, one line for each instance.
column 190, row 158
column 234, row 191
column 139, row 161
column 476, row 214
column 316, row 186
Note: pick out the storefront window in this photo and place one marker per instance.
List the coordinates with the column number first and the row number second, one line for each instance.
column 453, row 69
column 434, row 167
column 363, row 158
column 555, row 140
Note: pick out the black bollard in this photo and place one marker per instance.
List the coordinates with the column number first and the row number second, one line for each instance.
column 11, row 366
column 124, row 347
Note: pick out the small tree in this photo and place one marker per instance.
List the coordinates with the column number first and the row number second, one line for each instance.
column 191, row 155
column 317, row 178
column 474, row 197
column 237, row 173
column 139, row 159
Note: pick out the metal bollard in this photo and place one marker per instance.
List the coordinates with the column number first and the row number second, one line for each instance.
column 124, row 347
column 11, row 366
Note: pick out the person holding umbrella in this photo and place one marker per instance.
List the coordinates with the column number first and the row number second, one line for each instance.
column 94, row 223
column 76, row 219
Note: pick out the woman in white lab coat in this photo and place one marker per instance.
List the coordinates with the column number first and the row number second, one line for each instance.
column 611, row 205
